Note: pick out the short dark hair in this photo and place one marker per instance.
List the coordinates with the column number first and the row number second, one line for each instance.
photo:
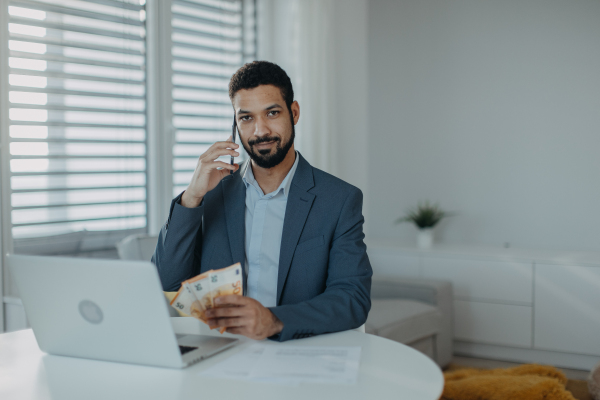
column 256, row 73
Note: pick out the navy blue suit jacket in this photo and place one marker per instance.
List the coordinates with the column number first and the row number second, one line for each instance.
column 324, row 279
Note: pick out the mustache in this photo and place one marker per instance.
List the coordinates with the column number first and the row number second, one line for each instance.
column 263, row 139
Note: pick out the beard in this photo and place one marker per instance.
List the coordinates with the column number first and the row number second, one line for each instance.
column 263, row 158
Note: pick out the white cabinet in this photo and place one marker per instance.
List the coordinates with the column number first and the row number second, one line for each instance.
column 483, row 279
column 567, row 308
column 501, row 324
column 517, row 305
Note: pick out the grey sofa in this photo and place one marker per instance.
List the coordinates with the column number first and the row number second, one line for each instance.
column 415, row 312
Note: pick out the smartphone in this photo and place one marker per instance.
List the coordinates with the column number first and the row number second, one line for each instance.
column 233, row 133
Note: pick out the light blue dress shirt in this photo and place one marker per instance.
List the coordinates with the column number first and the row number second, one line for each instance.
column 264, row 224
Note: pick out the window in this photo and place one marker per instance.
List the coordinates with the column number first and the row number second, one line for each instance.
column 210, row 41
column 77, row 117
column 78, row 110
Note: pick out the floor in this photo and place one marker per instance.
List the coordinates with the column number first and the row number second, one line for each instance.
column 490, row 364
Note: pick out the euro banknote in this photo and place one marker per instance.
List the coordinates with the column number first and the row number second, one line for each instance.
column 197, row 294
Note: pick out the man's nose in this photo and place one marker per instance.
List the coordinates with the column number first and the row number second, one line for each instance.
column 262, row 127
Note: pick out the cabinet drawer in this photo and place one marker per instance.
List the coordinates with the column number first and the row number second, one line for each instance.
column 567, row 309
column 391, row 263
column 493, row 323
column 501, row 281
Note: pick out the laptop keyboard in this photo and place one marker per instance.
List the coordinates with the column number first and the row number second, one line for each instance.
column 186, row 349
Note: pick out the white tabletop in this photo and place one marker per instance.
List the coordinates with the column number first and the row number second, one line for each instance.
column 387, row 370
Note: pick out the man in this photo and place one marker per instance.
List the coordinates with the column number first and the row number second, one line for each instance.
column 296, row 229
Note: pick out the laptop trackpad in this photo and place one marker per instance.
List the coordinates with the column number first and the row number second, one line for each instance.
column 204, row 342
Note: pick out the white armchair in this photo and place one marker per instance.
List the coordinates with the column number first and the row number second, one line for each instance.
column 415, row 312
column 137, row 247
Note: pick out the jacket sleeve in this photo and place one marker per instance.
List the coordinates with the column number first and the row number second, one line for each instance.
column 346, row 301
column 179, row 248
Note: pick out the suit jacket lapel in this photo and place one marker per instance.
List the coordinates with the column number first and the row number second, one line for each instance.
column 234, row 195
column 298, row 206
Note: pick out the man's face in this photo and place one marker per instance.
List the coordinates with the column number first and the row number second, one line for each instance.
column 265, row 124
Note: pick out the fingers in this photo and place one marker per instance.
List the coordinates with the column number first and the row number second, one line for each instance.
column 208, row 167
column 209, row 172
column 244, row 316
column 230, row 315
column 223, row 312
column 236, row 331
column 213, row 154
column 224, row 165
column 233, row 299
column 228, row 144
column 228, row 322
column 219, row 149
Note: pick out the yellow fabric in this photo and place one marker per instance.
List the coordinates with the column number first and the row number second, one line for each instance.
column 525, row 382
column 170, row 296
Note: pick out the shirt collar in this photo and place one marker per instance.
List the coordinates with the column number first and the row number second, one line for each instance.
column 285, row 185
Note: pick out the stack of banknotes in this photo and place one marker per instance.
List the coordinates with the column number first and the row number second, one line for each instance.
column 197, row 294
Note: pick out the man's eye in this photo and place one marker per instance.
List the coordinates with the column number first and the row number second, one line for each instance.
column 273, row 113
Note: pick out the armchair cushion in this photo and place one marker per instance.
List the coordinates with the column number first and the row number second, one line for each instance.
column 404, row 321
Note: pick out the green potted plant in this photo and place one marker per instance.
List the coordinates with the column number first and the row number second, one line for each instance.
column 425, row 216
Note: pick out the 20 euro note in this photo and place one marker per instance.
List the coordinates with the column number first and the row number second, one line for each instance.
column 205, row 287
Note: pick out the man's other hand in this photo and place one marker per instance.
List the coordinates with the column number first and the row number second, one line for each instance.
column 243, row 316
column 207, row 175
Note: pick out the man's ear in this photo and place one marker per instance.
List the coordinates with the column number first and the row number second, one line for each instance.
column 295, row 111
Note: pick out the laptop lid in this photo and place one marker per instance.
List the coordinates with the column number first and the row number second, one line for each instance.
column 99, row 309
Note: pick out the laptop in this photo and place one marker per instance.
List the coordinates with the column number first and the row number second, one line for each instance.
column 108, row 310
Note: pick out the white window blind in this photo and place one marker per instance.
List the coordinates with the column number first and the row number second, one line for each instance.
column 77, row 116
column 210, row 41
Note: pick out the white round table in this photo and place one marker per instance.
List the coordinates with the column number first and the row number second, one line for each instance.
column 388, row 370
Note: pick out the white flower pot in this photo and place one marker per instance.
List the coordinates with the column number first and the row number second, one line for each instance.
column 425, row 238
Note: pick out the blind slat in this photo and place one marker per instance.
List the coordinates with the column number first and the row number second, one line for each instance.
column 72, row 60
column 211, row 130
column 207, row 7
column 71, row 140
column 204, row 88
column 181, row 14
column 76, row 92
column 73, row 28
column 75, row 173
column 208, row 102
column 67, row 157
column 73, row 125
column 63, row 75
column 83, row 109
column 209, row 116
column 75, row 205
column 224, row 36
column 205, row 61
column 206, row 47
column 78, row 220
column 64, row 189
column 78, row 45
column 43, row 6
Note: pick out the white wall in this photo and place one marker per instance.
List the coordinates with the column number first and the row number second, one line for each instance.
column 338, row 110
column 491, row 108
column 351, row 93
